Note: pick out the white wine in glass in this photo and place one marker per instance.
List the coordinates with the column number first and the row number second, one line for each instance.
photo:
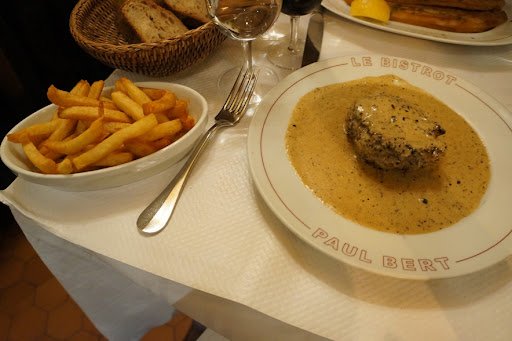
column 245, row 20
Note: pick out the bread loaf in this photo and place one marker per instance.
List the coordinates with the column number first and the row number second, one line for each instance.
column 195, row 9
column 152, row 22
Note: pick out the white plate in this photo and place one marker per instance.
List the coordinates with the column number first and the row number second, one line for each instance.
column 501, row 35
column 477, row 241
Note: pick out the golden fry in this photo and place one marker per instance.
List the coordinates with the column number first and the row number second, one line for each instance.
column 164, row 103
column 81, row 88
column 92, row 113
column 65, row 99
column 154, row 94
column 188, row 122
column 163, row 142
column 64, row 129
column 140, row 148
column 161, row 117
column 165, row 129
column 34, row 132
column 128, row 105
column 134, row 92
column 114, row 159
column 118, row 86
column 96, row 89
column 91, row 135
column 65, row 166
column 114, row 142
column 41, row 162
column 180, row 109
column 52, row 154
column 81, row 126
column 112, row 127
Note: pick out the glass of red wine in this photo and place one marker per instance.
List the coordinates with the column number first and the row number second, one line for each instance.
column 286, row 54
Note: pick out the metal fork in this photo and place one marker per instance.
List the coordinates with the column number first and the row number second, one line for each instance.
column 156, row 216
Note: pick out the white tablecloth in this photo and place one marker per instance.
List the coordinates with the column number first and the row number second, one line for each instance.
column 263, row 283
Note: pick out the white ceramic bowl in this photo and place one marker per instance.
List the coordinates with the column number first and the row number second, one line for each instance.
column 13, row 156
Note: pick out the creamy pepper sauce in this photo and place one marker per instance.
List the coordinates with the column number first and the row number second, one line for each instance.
column 393, row 201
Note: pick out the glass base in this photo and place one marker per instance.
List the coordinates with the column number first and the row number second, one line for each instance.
column 281, row 56
column 267, row 79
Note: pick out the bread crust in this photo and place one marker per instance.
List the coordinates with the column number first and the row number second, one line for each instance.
column 195, row 9
column 152, row 22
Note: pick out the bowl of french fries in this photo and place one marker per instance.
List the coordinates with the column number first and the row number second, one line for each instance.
column 94, row 137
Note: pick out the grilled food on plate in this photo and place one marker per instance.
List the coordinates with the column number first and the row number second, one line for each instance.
column 462, row 16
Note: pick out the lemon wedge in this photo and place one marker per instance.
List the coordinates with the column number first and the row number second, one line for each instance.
column 374, row 9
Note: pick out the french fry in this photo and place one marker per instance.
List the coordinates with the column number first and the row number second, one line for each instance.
column 114, row 142
column 81, row 126
column 128, row 105
column 112, row 127
column 154, row 94
column 166, row 129
column 118, row 86
column 64, row 129
column 164, row 103
column 65, row 166
column 65, row 99
column 188, row 123
column 41, row 162
column 91, row 135
column 81, row 88
column 35, row 131
column 161, row 117
column 50, row 153
column 96, row 89
column 114, row 159
column 163, row 142
column 92, row 113
column 133, row 91
column 140, row 148
column 180, row 109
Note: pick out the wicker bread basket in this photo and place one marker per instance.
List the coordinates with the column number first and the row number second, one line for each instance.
column 97, row 28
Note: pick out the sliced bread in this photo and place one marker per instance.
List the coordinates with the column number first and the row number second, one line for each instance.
column 152, row 22
column 195, row 9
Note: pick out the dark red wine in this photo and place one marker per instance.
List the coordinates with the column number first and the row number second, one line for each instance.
column 299, row 7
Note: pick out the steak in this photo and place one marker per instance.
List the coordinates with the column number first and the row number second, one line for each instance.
column 390, row 133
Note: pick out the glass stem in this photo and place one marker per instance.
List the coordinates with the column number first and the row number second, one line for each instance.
column 247, row 47
column 294, row 34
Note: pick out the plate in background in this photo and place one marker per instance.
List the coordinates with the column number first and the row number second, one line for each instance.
column 501, row 35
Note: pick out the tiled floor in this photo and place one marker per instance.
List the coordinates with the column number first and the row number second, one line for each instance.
column 34, row 306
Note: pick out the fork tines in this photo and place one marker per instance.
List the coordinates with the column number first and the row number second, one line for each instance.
column 241, row 92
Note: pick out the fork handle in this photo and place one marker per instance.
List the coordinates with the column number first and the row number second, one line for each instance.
column 155, row 217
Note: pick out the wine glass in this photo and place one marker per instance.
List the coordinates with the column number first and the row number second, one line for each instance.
column 245, row 20
column 286, row 54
